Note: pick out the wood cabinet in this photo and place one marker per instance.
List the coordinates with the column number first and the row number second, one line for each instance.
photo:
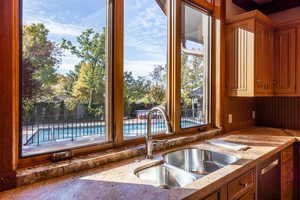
column 245, row 186
column 287, row 47
column 248, row 196
column 241, row 188
column 249, row 55
column 218, row 195
column 287, row 173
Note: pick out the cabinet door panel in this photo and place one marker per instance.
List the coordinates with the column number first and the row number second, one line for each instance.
column 263, row 60
column 219, row 195
column 285, row 66
column 248, row 196
column 287, row 174
column 240, row 58
column 214, row 196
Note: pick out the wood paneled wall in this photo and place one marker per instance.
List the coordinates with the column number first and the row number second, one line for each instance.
column 278, row 112
column 241, row 110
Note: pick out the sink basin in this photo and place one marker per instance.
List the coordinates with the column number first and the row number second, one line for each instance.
column 165, row 176
column 199, row 161
column 183, row 167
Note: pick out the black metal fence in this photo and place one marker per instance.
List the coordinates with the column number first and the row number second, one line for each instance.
column 46, row 130
column 191, row 117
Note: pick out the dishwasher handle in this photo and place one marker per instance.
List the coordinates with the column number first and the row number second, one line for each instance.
column 269, row 167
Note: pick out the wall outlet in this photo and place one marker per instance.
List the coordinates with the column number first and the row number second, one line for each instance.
column 230, row 119
column 253, row 114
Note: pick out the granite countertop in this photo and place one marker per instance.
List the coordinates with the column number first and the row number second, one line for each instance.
column 117, row 180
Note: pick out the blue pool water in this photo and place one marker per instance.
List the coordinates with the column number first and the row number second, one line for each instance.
column 46, row 135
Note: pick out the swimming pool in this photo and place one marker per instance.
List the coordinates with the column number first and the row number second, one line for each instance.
column 75, row 131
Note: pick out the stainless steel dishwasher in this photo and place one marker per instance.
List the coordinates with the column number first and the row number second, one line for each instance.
column 268, row 179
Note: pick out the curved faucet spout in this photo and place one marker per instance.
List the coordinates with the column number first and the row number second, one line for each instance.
column 164, row 114
column 148, row 138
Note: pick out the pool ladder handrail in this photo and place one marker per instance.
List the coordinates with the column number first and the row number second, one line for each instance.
column 148, row 138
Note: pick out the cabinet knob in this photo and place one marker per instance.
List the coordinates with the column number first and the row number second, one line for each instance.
column 243, row 184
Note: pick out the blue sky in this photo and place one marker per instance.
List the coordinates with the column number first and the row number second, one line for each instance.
column 145, row 30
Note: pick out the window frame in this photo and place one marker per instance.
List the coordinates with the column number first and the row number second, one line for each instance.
column 108, row 89
column 116, row 109
column 209, row 13
column 169, row 76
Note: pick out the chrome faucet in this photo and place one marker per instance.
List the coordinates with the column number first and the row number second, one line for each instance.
column 148, row 138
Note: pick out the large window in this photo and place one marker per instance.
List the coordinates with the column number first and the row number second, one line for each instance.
column 71, row 57
column 145, row 64
column 64, row 66
column 195, row 66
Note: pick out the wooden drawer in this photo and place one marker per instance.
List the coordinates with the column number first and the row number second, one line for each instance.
column 214, row 196
column 221, row 194
column 241, row 185
column 248, row 196
column 287, row 154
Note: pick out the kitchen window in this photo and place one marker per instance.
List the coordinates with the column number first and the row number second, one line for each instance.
column 90, row 72
column 64, row 68
column 145, row 65
column 195, row 66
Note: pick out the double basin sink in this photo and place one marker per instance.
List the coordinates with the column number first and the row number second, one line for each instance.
column 182, row 167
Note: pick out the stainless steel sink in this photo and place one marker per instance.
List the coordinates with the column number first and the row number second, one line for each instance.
column 199, row 161
column 165, row 176
column 183, row 167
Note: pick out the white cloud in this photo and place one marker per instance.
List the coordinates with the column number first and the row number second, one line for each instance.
column 56, row 28
column 141, row 68
column 146, row 31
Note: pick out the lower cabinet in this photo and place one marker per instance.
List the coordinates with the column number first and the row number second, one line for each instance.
column 287, row 173
column 248, row 196
column 218, row 195
column 244, row 187
column 241, row 188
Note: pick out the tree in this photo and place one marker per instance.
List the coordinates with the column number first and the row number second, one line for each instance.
column 135, row 90
column 90, row 84
column 89, row 87
column 157, row 91
column 40, row 58
column 191, row 77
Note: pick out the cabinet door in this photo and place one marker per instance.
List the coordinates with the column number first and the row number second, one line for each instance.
column 249, row 196
column 287, row 173
column 285, row 61
column 240, row 58
column 219, row 195
column 214, row 196
column 263, row 60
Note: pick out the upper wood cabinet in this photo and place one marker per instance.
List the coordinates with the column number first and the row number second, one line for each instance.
column 249, row 55
column 287, row 48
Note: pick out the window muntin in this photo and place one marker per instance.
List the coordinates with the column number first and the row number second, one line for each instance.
column 195, row 67
column 64, row 64
column 145, row 64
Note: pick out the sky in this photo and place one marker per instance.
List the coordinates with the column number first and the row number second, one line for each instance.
column 145, row 29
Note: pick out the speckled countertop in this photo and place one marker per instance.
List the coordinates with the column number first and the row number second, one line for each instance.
column 117, row 180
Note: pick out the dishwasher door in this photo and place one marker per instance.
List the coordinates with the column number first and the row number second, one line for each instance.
column 268, row 179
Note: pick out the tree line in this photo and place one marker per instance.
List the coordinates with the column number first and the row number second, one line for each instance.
column 85, row 85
